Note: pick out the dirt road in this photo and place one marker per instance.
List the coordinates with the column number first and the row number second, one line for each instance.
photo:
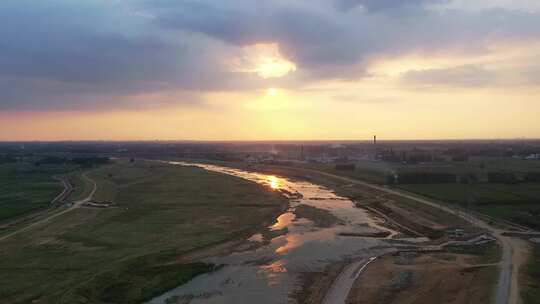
column 340, row 288
column 65, row 192
column 57, row 214
column 507, row 285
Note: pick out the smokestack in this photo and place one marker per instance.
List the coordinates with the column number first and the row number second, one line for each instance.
column 375, row 139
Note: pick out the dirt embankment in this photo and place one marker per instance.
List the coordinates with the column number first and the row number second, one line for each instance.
column 321, row 218
column 409, row 223
column 428, row 278
column 405, row 215
column 314, row 286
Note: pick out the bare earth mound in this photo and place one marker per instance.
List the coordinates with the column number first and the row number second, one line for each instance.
column 429, row 278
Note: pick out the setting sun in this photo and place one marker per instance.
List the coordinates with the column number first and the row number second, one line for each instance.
column 274, row 67
column 263, row 59
column 272, row 92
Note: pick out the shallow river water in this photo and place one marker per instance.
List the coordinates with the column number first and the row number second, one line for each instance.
column 270, row 273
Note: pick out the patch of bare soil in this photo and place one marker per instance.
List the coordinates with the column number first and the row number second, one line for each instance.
column 377, row 234
column 423, row 278
column 320, row 217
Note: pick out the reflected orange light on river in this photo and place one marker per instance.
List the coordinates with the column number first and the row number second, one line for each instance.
column 293, row 241
column 273, row 182
column 273, row 270
column 283, row 221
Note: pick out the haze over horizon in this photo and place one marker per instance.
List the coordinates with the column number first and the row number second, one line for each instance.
column 269, row 70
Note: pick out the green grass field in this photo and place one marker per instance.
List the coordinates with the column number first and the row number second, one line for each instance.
column 519, row 203
column 531, row 278
column 129, row 253
column 374, row 172
column 25, row 188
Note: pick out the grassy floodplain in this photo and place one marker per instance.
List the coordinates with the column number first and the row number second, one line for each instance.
column 130, row 252
column 531, row 277
column 25, row 187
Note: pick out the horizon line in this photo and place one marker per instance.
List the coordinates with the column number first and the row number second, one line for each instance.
column 262, row 140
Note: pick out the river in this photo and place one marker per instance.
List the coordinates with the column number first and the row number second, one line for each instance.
column 270, row 273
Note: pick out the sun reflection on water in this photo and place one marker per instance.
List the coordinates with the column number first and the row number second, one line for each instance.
column 273, row 271
column 273, row 182
column 283, row 221
column 293, row 241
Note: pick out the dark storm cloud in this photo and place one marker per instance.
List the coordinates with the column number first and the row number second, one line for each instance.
column 330, row 44
column 307, row 36
column 62, row 54
column 67, row 55
column 220, row 21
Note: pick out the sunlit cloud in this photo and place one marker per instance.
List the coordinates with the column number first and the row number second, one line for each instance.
column 272, row 92
column 264, row 60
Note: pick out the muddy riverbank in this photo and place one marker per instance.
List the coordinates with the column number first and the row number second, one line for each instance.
column 312, row 236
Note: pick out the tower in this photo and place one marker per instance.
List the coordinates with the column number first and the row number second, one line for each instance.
column 374, row 147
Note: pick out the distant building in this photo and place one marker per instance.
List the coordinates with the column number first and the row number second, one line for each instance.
column 533, row 157
column 251, row 159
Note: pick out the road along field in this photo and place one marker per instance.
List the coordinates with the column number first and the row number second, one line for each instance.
column 133, row 249
column 408, row 209
column 46, row 217
column 31, row 193
column 153, row 226
column 25, row 188
column 519, row 203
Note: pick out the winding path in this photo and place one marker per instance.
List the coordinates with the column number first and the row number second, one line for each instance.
column 65, row 192
column 75, row 205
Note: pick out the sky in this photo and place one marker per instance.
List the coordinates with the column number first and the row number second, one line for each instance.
column 269, row 70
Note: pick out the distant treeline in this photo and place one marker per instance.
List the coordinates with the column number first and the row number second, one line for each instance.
column 345, row 167
column 440, row 178
column 6, row 159
column 502, row 178
column 513, row 178
column 83, row 161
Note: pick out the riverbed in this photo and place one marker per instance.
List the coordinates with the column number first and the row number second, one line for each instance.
column 271, row 272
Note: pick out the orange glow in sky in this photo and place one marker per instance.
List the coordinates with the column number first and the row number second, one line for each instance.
column 323, row 110
column 270, row 70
